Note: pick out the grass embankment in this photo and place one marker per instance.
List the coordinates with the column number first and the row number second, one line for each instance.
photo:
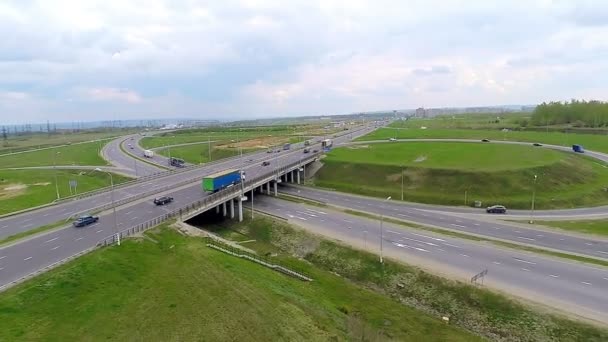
column 199, row 153
column 440, row 173
column 22, row 189
column 170, row 287
column 467, row 121
column 80, row 154
column 592, row 142
column 596, row 227
column 41, row 140
column 486, row 313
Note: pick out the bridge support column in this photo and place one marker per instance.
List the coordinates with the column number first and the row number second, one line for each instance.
column 240, row 210
column 217, row 209
column 275, row 189
column 298, row 173
column 293, row 177
column 224, row 209
column 232, row 208
column 268, row 188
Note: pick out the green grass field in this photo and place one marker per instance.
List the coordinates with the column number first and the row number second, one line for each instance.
column 596, row 227
column 448, row 155
column 486, row 313
column 172, row 288
column 22, row 189
column 81, row 154
column 564, row 180
column 467, row 121
column 41, row 140
column 199, row 153
column 589, row 141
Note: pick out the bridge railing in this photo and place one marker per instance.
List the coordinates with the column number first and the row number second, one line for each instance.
column 204, row 203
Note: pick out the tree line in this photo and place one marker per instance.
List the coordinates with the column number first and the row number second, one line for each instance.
column 577, row 113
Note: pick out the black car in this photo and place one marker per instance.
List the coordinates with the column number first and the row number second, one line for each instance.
column 537, row 144
column 315, row 151
column 163, row 200
column 496, row 209
column 485, row 140
column 266, row 163
column 306, row 150
column 85, row 220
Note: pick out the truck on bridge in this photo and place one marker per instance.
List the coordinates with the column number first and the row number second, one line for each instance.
column 327, row 144
column 221, row 180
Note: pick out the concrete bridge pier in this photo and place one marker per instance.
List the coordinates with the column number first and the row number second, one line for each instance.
column 224, row 213
column 276, row 193
column 232, row 208
column 240, row 209
column 217, row 209
column 268, row 188
column 298, row 174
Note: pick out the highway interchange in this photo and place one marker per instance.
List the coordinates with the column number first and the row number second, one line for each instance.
column 559, row 282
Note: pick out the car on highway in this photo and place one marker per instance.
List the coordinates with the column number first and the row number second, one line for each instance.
column 265, row 163
column 85, row 220
column 485, row 140
column 537, row 144
column 496, row 209
column 163, row 200
column 392, row 139
column 306, row 150
column 315, row 151
column 269, row 151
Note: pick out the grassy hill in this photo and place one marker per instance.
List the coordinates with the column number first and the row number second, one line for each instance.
column 168, row 287
column 441, row 173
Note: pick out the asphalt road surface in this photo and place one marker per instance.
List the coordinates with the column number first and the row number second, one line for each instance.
column 113, row 154
column 594, row 247
column 573, row 287
column 31, row 255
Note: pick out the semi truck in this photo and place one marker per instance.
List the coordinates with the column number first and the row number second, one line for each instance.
column 148, row 154
column 221, row 180
column 327, row 143
column 578, row 148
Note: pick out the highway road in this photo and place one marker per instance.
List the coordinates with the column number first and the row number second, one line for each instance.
column 572, row 287
column 589, row 246
column 31, row 255
column 113, row 154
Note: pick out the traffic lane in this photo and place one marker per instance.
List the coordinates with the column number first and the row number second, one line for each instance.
column 31, row 220
column 543, row 238
column 139, row 168
column 573, row 283
column 66, row 211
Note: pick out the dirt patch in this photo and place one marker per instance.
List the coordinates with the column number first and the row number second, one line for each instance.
column 358, row 147
column 42, row 184
column 420, row 159
column 415, row 177
column 12, row 190
column 394, row 177
column 261, row 142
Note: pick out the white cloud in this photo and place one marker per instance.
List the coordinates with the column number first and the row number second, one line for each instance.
column 263, row 57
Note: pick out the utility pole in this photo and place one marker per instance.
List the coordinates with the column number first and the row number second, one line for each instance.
column 402, row 172
column 533, row 198
column 381, row 231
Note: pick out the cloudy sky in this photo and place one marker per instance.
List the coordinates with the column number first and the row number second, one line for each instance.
column 100, row 60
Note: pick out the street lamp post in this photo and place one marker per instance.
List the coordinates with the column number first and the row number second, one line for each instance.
column 55, row 173
column 381, row 231
column 113, row 204
column 533, row 198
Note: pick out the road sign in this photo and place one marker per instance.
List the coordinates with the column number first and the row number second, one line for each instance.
column 479, row 275
column 73, row 183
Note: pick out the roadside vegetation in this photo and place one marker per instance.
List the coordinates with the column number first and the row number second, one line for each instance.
column 577, row 113
column 22, row 189
column 29, row 141
column 261, row 135
column 595, row 227
column 459, row 173
column 487, row 314
column 592, row 142
column 170, row 287
column 80, row 154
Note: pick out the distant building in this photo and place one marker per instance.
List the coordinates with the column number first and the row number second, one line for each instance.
column 421, row 112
